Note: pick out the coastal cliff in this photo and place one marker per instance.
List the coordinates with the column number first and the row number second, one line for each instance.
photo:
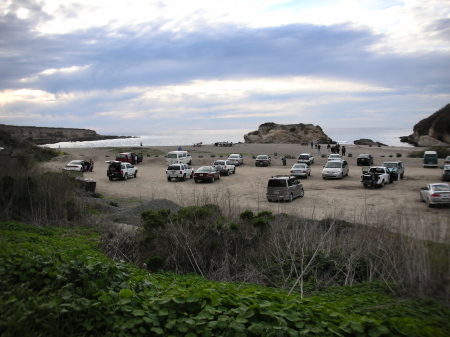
column 48, row 135
column 287, row 134
column 431, row 131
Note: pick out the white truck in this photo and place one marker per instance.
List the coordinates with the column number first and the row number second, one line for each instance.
column 376, row 176
column 179, row 171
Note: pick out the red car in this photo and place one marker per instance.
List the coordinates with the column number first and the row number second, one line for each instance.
column 207, row 173
column 130, row 157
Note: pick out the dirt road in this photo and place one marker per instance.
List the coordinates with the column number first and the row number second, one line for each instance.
column 395, row 205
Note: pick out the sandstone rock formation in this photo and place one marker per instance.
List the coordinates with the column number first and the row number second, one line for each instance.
column 47, row 135
column 364, row 141
column 431, row 131
column 287, row 134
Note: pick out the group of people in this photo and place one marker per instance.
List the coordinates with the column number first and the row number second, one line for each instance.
column 333, row 149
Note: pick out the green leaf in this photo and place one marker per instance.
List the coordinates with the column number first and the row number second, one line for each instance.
column 192, row 298
column 378, row 331
column 239, row 327
column 126, row 293
column 138, row 312
column 158, row 331
column 257, row 329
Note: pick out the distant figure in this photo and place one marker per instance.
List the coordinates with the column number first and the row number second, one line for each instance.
column 180, row 148
column 141, row 143
column 318, row 148
column 91, row 164
column 312, row 144
column 135, row 160
column 343, row 150
column 328, row 147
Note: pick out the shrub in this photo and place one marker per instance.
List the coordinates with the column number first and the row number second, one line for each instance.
column 247, row 215
column 154, row 263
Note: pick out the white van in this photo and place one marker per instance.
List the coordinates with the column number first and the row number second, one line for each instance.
column 178, row 157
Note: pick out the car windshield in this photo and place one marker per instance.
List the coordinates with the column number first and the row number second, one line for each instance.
column 261, row 157
column 363, row 156
column 441, row 187
column 233, row 156
column 303, row 157
column 219, row 163
column 333, row 164
column 76, row 162
column 173, row 167
column 300, row 166
column 121, row 156
column 277, row 183
column 204, row 169
column 430, row 156
column 390, row 165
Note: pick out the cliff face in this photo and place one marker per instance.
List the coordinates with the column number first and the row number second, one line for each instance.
column 432, row 131
column 46, row 135
column 287, row 134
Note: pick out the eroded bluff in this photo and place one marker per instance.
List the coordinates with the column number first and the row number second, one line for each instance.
column 287, row 134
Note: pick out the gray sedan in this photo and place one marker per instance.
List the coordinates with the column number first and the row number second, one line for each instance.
column 300, row 170
column 434, row 194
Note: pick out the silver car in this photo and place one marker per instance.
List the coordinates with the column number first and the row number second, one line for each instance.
column 284, row 188
column 434, row 194
column 300, row 170
column 236, row 159
column 335, row 169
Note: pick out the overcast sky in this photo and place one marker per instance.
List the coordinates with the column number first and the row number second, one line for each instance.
column 138, row 66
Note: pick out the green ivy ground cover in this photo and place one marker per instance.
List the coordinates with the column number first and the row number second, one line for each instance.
column 56, row 282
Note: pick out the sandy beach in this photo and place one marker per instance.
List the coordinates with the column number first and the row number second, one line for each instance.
column 395, row 205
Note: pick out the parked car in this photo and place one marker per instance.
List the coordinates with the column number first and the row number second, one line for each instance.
column 262, row 160
column 396, row 167
column 376, row 176
column 446, row 173
column 207, row 173
column 364, row 159
column 121, row 170
column 447, row 160
column 130, row 157
column 430, row 159
column 284, row 188
column 78, row 165
column 334, row 156
column 335, row 169
column 236, row 159
column 306, row 158
column 434, row 194
column 179, row 171
column 300, row 170
column 178, row 157
column 225, row 167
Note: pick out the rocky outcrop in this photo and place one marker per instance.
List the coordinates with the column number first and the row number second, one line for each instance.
column 47, row 135
column 431, row 131
column 364, row 141
column 287, row 134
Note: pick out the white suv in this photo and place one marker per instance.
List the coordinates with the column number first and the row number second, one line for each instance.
column 118, row 169
column 396, row 167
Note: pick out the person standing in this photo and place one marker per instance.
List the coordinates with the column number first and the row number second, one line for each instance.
column 343, row 150
column 318, row 148
column 91, row 166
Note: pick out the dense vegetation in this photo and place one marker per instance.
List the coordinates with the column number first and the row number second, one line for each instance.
column 55, row 282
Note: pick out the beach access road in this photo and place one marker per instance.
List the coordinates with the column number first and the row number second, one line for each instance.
column 396, row 206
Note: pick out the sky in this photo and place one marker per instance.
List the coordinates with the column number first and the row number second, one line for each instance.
column 139, row 66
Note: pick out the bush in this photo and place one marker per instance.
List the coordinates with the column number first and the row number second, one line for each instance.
column 247, row 215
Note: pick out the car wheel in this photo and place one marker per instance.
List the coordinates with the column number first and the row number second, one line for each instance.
column 169, row 179
column 324, row 178
column 256, row 164
column 429, row 203
column 382, row 183
column 306, row 177
column 234, row 171
column 401, row 176
column 192, row 175
column 125, row 177
column 196, row 181
column 291, row 197
column 81, row 169
column 420, row 196
column 228, row 172
column 110, row 178
column 135, row 174
column 184, row 177
column 218, row 177
column 212, row 180
column 302, row 193
column 365, row 185
column 190, row 162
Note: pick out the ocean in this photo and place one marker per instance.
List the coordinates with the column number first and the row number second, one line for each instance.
column 388, row 136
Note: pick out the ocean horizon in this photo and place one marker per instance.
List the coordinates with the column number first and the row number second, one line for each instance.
column 388, row 136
